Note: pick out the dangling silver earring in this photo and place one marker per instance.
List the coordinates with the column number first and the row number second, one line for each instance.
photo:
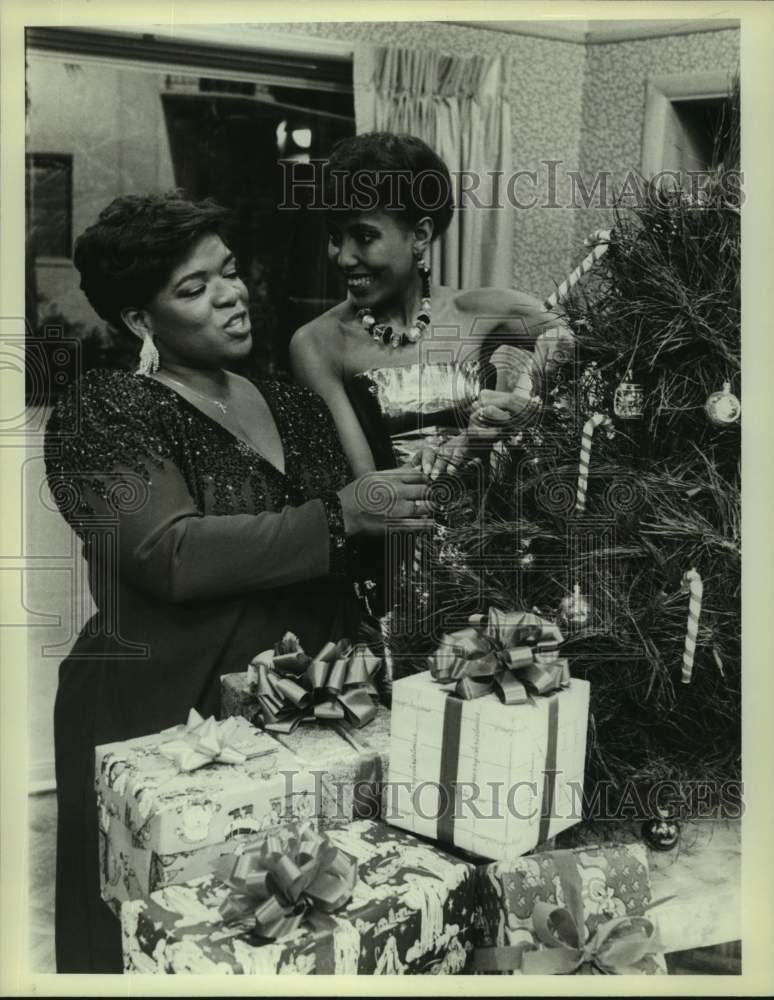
column 149, row 357
column 424, row 276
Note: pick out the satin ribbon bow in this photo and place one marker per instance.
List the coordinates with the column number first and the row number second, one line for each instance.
column 513, row 653
column 615, row 947
column 203, row 741
column 280, row 887
column 291, row 686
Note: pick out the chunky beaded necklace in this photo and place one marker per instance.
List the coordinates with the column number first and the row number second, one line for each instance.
column 383, row 333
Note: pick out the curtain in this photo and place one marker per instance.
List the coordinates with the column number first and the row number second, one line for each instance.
column 459, row 106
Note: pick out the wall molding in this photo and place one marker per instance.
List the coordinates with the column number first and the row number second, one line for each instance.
column 660, row 92
column 602, row 32
column 253, row 59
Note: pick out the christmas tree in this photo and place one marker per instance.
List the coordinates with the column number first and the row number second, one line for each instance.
column 657, row 329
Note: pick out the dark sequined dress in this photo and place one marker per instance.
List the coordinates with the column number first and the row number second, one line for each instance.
column 200, row 554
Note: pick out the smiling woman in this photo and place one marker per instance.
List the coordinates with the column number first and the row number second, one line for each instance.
column 215, row 513
column 374, row 356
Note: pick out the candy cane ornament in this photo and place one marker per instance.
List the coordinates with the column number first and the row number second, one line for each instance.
column 598, row 420
column 601, row 239
column 691, row 584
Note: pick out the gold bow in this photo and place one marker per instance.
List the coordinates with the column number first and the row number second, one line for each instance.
column 203, row 741
column 291, row 686
column 513, row 653
column 279, row 888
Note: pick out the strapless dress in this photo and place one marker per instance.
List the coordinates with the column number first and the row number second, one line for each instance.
column 399, row 407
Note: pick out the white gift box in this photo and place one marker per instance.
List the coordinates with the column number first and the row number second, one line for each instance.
column 493, row 779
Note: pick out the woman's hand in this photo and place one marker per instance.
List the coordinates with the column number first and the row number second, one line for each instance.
column 437, row 456
column 398, row 496
column 495, row 409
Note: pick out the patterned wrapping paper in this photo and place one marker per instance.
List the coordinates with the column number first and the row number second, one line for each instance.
column 521, row 765
column 158, row 826
column 614, row 882
column 350, row 765
column 410, row 914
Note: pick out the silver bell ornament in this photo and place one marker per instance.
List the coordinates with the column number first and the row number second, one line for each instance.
column 628, row 399
column 723, row 407
column 574, row 611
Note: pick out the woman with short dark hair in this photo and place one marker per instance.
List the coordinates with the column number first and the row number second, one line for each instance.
column 215, row 514
column 400, row 361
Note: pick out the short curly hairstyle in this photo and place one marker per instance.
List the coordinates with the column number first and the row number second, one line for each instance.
column 130, row 252
column 392, row 172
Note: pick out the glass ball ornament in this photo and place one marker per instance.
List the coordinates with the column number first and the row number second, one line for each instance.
column 723, row 407
column 628, row 399
column 574, row 611
column 662, row 832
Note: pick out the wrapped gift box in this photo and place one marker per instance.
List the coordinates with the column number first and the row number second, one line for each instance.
column 410, row 913
column 349, row 764
column 492, row 779
column 160, row 826
column 604, row 882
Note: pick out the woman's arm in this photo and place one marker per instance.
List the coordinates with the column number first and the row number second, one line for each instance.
column 111, row 461
column 313, row 365
column 118, row 475
column 165, row 546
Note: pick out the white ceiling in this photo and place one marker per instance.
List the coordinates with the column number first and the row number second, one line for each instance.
column 592, row 32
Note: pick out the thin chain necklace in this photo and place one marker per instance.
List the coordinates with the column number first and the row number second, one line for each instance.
column 214, row 402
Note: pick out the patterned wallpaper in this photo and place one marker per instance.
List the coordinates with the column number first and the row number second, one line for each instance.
column 580, row 105
column 613, row 112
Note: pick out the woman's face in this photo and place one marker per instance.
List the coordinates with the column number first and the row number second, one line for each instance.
column 375, row 252
column 200, row 318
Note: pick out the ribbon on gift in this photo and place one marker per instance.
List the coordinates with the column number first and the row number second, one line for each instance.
column 277, row 888
column 336, row 685
column 513, row 654
column 203, row 741
column 615, row 946
column 510, row 653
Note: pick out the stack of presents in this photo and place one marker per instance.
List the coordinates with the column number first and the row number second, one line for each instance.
column 313, row 830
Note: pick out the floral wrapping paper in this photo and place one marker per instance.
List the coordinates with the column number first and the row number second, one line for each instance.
column 497, row 756
column 158, row 826
column 614, row 882
column 410, row 914
column 350, row 764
